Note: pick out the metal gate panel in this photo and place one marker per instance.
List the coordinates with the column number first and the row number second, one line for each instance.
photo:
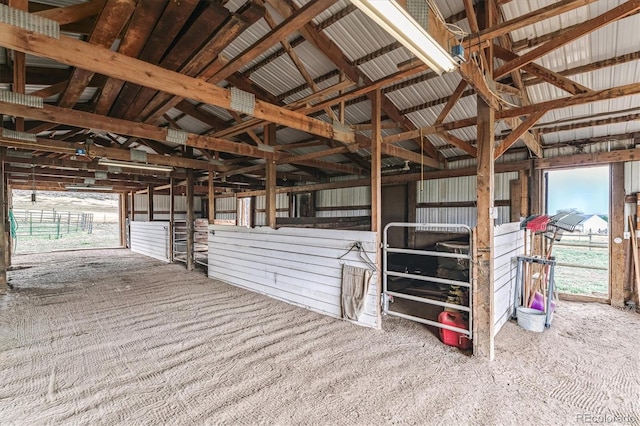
column 388, row 295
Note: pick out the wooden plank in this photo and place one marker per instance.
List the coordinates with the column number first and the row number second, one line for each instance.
column 545, row 74
column 451, row 102
column 616, row 231
column 530, row 18
column 270, row 181
column 97, row 59
column 166, row 29
column 335, row 54
column 73, row 13
column 211, row 16
column 19, row 66
column 518, row 133
column 459, row 143
column 286, row 27
column 113, row 18
column 376, row 164
column 483, row 291
column 143, row 20
column 581, row 30
column 203, row 62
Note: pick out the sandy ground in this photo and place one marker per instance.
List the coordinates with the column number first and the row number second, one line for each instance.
column 112, row 337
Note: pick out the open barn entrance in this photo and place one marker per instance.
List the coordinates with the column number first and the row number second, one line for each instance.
column 45, row 221
column 582, row 255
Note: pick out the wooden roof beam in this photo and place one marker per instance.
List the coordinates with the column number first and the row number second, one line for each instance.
column 581, row 30
column 518, row 132
column 101, row 60
column 582, row 98
column 335, row 54
column 114, row 16
column 543, row 73
column 291, row 24
column 73, row 13
column 530, row 18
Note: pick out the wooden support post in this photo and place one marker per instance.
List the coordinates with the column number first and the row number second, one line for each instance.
column 537, row 195
column 412, row 216
column 212, row 197
column 172, row 214
column 376, row 186
column 616, row 234
column 190, row 220
column 7, row 224
column 483, row 289
column 133, row 206
column 3, row 235
column 19, row 64
column 523, row 177
column 270, row 181
column 150, row 203
column 124, row 211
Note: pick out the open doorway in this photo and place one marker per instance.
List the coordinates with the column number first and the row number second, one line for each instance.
column 582, row 255
column 59, row 220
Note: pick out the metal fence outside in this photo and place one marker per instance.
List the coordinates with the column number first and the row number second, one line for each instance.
column 50, row 224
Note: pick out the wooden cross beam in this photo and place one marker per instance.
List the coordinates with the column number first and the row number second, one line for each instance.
column 81, row 54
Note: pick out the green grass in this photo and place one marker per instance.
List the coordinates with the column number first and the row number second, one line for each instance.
column 581, row 280
column 103, row 235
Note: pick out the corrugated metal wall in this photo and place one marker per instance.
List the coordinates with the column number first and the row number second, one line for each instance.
column 344, row 197
column 459, row 189
column 161, row 206
column 632, row 177
column 282, row 202
column 226, row 204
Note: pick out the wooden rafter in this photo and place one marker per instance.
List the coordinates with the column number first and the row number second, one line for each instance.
column 73, row 13
column 518, row 132
column 451, row 102
column 335, row 54
column 583, row 98
column 543, row 73
column 97, row 59
column 581, row 30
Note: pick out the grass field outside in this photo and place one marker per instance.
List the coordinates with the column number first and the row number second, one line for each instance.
column 105, row 232
column 581, row 280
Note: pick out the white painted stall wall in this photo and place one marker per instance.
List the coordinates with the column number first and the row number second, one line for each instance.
column 226, row 204
column 508, row 242
column 282, row 202
column 150, row 239
column 298, row 266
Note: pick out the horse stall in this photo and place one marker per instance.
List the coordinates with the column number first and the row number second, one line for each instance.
column 328, row 271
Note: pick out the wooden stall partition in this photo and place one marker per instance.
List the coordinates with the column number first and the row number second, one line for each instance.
column 151, row 239
column 299, row 266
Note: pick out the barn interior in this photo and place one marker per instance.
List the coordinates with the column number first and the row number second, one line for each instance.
column 275, row 144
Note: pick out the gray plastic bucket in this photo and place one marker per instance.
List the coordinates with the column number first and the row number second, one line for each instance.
column 531, row 319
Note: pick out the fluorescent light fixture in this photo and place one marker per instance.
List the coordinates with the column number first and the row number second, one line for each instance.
column 130, row 165
column 88, row 188
column 395, row 20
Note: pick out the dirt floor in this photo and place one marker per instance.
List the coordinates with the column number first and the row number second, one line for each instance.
column 111, row 337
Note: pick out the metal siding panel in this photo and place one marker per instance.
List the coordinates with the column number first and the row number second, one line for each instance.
column 632, row 177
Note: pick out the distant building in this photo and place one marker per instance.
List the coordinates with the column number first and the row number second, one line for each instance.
column 595, row 225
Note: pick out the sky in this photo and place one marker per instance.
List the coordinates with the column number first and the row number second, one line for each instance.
column 585, row 189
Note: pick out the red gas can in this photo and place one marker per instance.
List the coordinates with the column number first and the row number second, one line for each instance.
column 453, row 338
